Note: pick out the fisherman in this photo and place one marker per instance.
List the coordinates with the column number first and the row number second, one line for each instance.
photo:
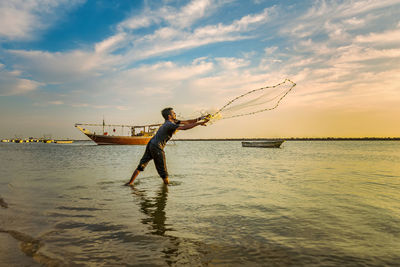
column 155, row 147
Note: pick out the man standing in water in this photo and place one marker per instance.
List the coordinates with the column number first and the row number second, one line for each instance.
column 155, row 147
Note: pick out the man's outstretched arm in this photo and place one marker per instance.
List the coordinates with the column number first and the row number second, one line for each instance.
column 192, row 125
column 186, row 122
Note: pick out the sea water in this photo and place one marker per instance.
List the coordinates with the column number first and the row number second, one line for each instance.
column 308, row 203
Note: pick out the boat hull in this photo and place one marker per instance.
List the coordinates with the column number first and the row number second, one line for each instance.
column 267, row 144
column 119, row 140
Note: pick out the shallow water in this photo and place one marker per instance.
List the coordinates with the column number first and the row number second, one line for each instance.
column 306, row 204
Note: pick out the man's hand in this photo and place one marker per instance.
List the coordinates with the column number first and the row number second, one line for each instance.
column 206, row 119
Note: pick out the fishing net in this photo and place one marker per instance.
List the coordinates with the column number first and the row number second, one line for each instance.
column 254, row 101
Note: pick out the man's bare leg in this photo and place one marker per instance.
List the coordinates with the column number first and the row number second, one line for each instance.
column 166, row 181
column 134, row 175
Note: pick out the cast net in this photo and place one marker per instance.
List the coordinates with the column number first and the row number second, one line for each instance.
column 254, row 101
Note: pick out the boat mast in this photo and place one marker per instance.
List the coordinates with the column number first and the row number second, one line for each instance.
column 103, row 124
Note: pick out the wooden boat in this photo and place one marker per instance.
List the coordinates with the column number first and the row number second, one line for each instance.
column 271, row 144
column 140, row 135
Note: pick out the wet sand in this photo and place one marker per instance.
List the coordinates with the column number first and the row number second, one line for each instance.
column 11, row 254
column 3, row 204
column 20, row 247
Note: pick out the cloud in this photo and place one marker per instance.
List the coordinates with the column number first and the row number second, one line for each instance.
column 335, row 18
column 340, row 68
column 339, row 58
column 355, row 22
column 159, row 79
column 329, row 50
column 386, row 37
column 270, row 50
column 138, row 22
column 167, row 39
column 202, row 83
column 45, row 104
column 123, row 108
column 60, row 67
column 88, row 105
column 12, row 84
column 191, row 12
column 103, row 59
column 110, row 44
column 19, row 19
column 77, row 65
column 56, row 102
column 177, row 17
column 178, row 34
column 343, row 9
column 232, row 63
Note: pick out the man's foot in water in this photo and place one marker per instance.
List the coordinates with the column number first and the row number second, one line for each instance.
column 134, row 175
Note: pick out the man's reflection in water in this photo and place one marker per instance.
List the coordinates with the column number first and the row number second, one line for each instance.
column 176, row 250
column 154, row 208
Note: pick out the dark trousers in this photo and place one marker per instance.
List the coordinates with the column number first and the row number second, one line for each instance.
column 158, row 155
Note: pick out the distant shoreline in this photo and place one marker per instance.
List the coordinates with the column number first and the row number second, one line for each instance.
column 296, row 139
column 283, row 138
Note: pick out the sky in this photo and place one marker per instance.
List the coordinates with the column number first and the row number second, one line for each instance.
column 78, row 61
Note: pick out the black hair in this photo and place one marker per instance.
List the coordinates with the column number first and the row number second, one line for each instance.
column 165, row 112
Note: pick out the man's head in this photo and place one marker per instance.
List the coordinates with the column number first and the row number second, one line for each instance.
column 168, row 113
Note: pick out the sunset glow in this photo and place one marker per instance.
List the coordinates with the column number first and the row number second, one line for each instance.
column 63, row 62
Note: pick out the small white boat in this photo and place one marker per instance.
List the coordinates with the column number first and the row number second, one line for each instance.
column 272, row 144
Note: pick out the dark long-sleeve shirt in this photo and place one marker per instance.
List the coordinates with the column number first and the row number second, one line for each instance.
column 164, row 133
